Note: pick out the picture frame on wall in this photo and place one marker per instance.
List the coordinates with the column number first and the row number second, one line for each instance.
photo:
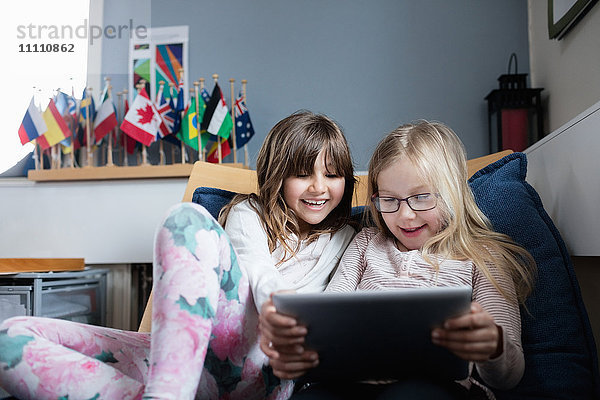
column 565, row 14
column 159, row 57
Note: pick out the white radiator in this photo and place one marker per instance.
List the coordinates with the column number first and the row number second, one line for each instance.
column 119, row 297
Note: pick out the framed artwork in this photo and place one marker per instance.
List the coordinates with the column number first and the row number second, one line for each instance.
column 159, row 57
column 565, row 14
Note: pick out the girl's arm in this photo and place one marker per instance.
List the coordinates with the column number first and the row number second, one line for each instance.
column 352, row 266
column 504, row 371
column 277, row 331
column 490, row 335
column 249, row 239
column 282, row 338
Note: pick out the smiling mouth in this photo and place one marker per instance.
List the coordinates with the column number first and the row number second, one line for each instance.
column 314, row 203
column 412, row 230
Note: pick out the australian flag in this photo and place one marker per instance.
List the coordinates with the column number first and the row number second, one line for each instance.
column 243, row 126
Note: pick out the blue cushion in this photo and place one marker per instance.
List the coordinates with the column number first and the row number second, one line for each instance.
column 560, row 352
column 212, row 199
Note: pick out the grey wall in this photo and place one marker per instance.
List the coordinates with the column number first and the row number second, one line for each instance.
column 371, row 65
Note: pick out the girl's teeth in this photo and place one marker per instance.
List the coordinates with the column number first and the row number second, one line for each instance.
column 315, row 203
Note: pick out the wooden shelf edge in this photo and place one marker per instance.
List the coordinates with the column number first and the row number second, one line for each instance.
column 107, row 173
column 17, row 265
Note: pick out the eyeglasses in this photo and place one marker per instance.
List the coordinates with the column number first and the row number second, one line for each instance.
column 417, row 202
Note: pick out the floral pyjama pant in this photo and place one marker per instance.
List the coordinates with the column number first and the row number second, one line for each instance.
column 203, row 344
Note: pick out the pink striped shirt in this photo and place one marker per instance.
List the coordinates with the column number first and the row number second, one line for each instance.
column 373, row 262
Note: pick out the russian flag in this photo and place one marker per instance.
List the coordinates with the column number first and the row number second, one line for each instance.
column 33, row 124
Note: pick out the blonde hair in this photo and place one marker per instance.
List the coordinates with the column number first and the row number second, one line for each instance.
column 439, row 158
column 290, row 149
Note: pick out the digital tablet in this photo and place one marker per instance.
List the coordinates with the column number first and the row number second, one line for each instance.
column 378, row 334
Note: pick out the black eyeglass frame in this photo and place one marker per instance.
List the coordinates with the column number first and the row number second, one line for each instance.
column 375, row 199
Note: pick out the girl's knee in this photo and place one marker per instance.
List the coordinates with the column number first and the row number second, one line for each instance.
column 34, row 326
column 11, row 323
column 184, row 226
column 189, row 208
column 190, row 216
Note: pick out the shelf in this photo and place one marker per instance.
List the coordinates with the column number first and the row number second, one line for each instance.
column 19, row 265
column 107, row 173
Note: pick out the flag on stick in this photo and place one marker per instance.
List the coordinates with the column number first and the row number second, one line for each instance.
column 189, row 130
column 173, row 117
column 217, row 119
column 86, row 101
column 33, row 124
column 163, row 108
column 85, row 105
column 72, row 104
column 61, row 100
column 106, row 118
column 205, row 95
column 243, row 125
column 180, row 95
column 130, row 143
column 190, row 125
column 213, row 154
column 57, row 127
column 142, row 120
column 66, row 106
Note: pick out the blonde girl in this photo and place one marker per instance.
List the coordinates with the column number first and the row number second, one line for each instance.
column 430, row 232
column 208, row 282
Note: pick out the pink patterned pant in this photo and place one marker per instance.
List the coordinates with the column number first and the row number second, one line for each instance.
column 204, row 341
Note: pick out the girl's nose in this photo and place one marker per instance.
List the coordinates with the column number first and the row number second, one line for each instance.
column 405, row 211
column 317, row 185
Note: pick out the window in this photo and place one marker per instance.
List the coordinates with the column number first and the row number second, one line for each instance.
column 29, row 69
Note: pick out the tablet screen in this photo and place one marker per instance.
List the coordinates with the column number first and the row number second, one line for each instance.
column 378, row 334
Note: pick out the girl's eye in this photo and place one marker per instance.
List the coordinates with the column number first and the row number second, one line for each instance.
column 332, row 176
column 301, row 175
column 423, row 197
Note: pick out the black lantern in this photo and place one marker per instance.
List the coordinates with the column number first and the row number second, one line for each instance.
column 514, row 112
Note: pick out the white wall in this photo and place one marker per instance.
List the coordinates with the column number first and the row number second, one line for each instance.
column 104, row 222
column 567, row 69
column 564, row 168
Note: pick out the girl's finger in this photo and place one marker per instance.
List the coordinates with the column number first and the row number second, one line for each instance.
column 475, row 319
column 292, row 370
column 279, row 339
column 267, row 347
column 298, row 356
column 276, row 319
column 487, row 334
column 269, row 314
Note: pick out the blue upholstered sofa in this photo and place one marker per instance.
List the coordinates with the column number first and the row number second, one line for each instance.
column 560, row 352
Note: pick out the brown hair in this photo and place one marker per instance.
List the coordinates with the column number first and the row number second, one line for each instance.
column 291, row 148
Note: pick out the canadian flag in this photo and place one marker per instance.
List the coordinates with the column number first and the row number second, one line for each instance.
column 142, row 120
